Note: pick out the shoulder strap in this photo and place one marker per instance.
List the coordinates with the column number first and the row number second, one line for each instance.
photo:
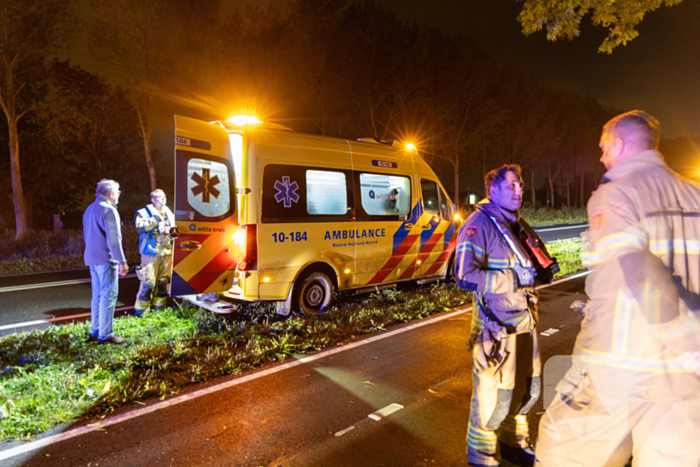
column 522, row 259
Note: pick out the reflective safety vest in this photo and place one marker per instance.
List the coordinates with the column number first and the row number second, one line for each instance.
column 151, row 241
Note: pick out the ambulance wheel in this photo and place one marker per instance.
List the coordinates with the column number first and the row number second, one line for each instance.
column 314, row 293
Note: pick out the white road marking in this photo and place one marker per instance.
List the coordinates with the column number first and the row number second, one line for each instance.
column 100, row 425
column 549, row 332
column 566, row 279
column 385, row 412
column 342, row 432
column 53, row 320
column 19, row 288
column 552, row 229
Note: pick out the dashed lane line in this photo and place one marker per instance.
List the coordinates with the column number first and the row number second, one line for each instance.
column 385, row 412
column 376, row 416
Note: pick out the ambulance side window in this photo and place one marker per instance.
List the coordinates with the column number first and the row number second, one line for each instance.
column 431, row 201
column 305, row 194
column 384, row 196
column 326, row 192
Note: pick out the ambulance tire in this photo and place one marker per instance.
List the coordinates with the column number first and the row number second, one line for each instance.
column 314, row 292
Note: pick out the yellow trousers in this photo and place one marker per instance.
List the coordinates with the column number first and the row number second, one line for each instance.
column 506, row 377
column 154, row 274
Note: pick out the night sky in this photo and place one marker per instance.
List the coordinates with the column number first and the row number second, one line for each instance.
column 659, row 71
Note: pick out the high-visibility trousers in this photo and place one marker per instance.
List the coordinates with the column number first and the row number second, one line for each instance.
column 506, row 377
column 154, row 274
column 594, row 420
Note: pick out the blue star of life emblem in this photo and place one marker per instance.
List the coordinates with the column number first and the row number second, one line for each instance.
column 286, row 192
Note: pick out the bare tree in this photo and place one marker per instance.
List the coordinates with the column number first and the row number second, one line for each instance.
column 28, row 31
column 139, row 40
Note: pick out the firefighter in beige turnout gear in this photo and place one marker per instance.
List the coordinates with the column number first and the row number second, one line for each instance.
column 506, row 362
column 634, row 387
column 154, row 224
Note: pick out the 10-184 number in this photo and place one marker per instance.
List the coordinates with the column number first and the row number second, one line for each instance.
column 293, row 236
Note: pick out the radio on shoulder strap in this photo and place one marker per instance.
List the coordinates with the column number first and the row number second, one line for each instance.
column 544, row 263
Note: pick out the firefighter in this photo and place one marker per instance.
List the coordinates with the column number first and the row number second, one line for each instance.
column 633, row 386
column 505, row 355
column 155, row 224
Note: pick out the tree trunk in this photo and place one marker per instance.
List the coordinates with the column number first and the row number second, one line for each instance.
column 533, row 200
column 149, row 163
column 17, row 192
column 551, row 186
column 145, row 130
column 457, row 183
column 552, row 179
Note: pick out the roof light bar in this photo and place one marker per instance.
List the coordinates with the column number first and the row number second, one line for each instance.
column 243, row 120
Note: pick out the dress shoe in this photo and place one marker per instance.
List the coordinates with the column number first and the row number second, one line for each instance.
column 113, row 340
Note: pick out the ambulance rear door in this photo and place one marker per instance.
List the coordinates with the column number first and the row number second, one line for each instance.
column 205, row 209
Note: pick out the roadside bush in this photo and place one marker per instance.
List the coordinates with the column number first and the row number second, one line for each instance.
column 41, row 250
column 549, row 216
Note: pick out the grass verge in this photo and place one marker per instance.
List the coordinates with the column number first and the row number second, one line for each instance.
column 549, row 216
column 568, row 255
column 54, row 376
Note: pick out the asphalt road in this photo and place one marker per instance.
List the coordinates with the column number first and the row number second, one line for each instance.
column 316, row 412
column 54, row 298
column 35, row 301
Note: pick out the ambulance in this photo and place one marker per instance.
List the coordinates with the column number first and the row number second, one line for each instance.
column 266, row 213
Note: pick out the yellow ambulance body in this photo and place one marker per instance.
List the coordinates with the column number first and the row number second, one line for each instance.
column 270, row 214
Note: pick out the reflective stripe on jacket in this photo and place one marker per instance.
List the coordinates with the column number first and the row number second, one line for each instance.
column 484, row 264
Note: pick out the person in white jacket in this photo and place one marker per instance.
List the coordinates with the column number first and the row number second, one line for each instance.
column 633, row 387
